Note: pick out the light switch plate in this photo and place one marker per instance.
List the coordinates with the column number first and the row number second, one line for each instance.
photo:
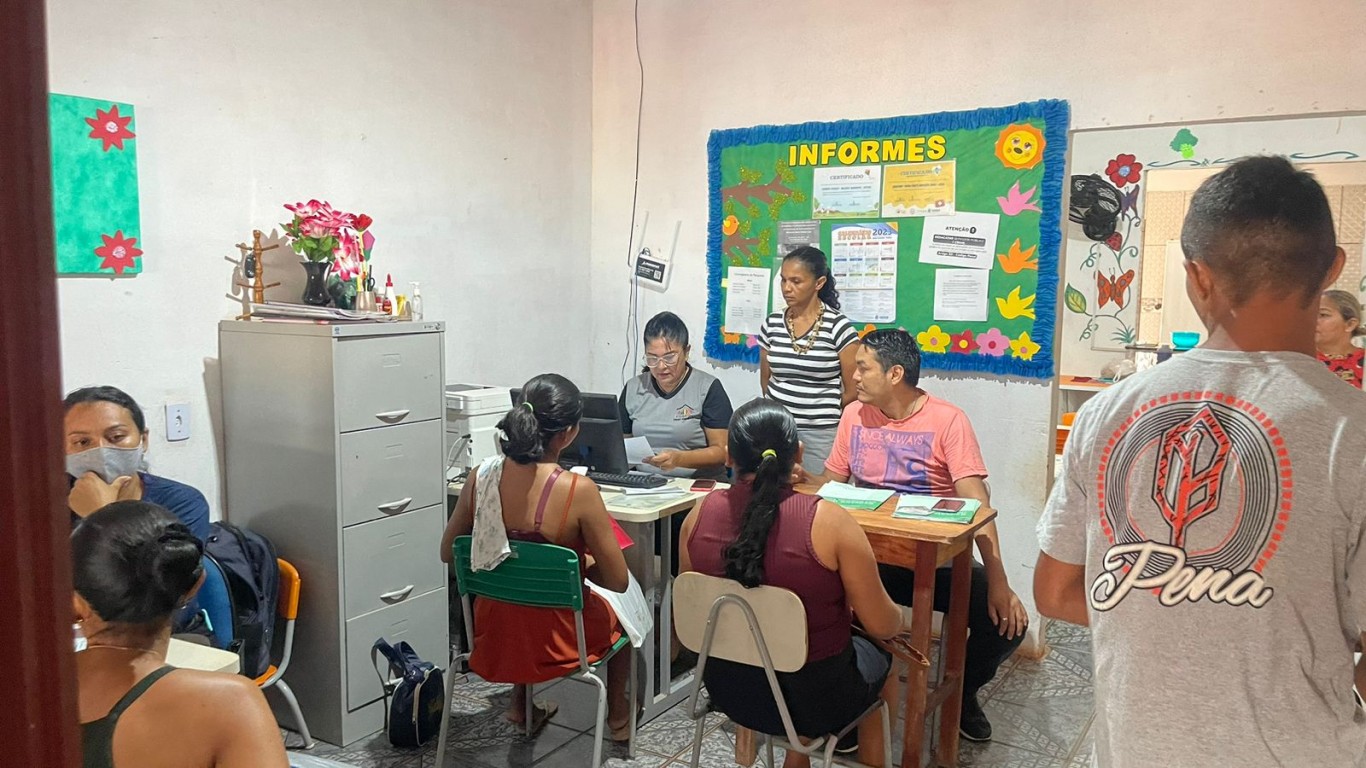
column 177, row 422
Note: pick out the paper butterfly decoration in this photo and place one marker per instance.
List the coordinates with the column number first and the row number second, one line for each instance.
column 1113, row 288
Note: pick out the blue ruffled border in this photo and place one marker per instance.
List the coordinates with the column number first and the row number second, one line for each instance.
column 1056, row 116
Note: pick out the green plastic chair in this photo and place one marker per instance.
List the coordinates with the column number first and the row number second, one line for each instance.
column 540, row 576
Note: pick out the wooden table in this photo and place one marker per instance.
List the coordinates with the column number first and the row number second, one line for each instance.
column 923, row 546
column 201, row 657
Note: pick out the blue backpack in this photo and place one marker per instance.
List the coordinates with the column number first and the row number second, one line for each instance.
column 414, row 717
column 253, row 575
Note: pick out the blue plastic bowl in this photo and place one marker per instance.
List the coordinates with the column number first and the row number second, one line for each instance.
column 1185, row 339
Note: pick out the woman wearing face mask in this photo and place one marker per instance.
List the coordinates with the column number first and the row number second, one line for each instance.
column 132, row 565
column 106, row 440
column 683, row 412
column 806, row 354
column 1340, row 322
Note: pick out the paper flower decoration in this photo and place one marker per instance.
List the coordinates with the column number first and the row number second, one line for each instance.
column 993, row 342
column 1124, row 169
column 1016, row 202
column 962, row 343
column 867, row 329
column 933, row 339
column 1024, row 348
column 1020, row 146
column 729, row 338
column 1014, row 305
column 118, row 252
column 109, row 127
column 1015, row 260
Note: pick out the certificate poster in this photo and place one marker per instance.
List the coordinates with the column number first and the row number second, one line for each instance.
column 863, row 263
column 854, row 192
column 961, row 240
column 919, row 189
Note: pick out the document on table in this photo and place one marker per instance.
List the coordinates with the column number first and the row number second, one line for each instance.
column 853, row 497
column 638, row 449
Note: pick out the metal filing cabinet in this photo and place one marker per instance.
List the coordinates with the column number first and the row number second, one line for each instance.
column 334, row 448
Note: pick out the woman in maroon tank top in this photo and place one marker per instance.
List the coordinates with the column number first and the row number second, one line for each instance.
column 760, row 531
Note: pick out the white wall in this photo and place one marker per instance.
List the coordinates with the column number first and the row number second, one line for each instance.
column 462, row 128
column 712, row 64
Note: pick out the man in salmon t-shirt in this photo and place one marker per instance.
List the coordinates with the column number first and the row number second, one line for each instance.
column 897, row 436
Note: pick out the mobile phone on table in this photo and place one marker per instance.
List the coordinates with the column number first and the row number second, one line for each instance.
column 703, row 485
column 948, row 505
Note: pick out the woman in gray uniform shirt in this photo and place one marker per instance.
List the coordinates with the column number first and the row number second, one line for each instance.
column 683, row 412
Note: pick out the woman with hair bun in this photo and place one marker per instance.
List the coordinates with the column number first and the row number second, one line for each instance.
column 540, row 502
column 133, row 566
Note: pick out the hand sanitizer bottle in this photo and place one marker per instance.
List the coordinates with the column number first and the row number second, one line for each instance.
column 415, row 303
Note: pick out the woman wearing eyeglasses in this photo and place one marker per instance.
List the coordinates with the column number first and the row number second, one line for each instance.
column 683, row 412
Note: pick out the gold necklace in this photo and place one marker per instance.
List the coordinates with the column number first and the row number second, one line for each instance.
column 810, row 335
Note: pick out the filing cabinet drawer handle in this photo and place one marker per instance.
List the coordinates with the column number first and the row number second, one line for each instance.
column 394, row 507
column 392, row 416
column 396, row 595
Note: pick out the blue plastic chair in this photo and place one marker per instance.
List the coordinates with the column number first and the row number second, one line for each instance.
column 215, row 602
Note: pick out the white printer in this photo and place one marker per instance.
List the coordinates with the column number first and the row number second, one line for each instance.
column 472, row 415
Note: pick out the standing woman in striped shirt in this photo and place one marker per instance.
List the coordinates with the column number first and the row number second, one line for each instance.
column 806, row 354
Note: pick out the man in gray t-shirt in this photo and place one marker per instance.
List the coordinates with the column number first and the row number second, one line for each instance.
column 1208, row 522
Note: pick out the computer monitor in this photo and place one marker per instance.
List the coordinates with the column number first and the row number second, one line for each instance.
column 600, row 445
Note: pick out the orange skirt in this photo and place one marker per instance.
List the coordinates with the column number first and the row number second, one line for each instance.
column 522, row 645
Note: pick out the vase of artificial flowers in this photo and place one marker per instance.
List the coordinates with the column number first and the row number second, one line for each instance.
column 334, row 247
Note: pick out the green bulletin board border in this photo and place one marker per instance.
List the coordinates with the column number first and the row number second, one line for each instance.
column 1055, row 115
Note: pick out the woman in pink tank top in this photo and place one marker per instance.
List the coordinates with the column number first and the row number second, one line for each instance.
column 760, row 531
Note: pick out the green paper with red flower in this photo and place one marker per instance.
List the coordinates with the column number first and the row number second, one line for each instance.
column 95, row 213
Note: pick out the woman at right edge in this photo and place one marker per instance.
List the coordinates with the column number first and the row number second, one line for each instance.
column 806, row 354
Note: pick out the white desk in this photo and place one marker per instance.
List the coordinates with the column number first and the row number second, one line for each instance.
column 201, row 657
column 638, row 515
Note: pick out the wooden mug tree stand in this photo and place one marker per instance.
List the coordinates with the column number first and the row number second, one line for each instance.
column 254, row 268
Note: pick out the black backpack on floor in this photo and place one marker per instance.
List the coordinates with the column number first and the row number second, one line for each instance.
column 248, row 561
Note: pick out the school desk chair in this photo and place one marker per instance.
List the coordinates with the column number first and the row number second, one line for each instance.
column 288, row 610
column 720, row 617
column 540, row 576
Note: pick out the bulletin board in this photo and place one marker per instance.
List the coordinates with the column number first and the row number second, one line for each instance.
column 946, row 225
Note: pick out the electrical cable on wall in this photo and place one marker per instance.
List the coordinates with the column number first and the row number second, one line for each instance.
column 629, row 361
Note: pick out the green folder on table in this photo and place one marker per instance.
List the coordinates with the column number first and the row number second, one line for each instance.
column 910, row 507
column 853, row 497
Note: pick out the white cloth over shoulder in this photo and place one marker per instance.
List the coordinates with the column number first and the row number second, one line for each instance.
column 490, row 546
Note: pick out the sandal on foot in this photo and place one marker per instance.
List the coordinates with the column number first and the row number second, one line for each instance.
column 540, row 715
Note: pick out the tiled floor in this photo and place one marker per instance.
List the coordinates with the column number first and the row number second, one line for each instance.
column 1040, row 712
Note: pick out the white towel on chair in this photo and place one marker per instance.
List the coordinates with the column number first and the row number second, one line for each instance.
column 490, row 546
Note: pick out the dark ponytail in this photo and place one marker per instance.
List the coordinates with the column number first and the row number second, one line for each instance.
column 815, row 262
column 135, row 563
column 549, row 404
column 762, row 442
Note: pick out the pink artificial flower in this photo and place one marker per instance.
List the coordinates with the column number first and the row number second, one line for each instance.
column 316, row 228
column 993, row 342
column 337, row 219
column 348, row 256
column 304, row 210
column 367, row 242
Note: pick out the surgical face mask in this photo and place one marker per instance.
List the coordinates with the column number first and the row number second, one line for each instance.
column 108, row 462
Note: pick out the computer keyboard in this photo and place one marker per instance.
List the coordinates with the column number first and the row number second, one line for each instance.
column 628, row 480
